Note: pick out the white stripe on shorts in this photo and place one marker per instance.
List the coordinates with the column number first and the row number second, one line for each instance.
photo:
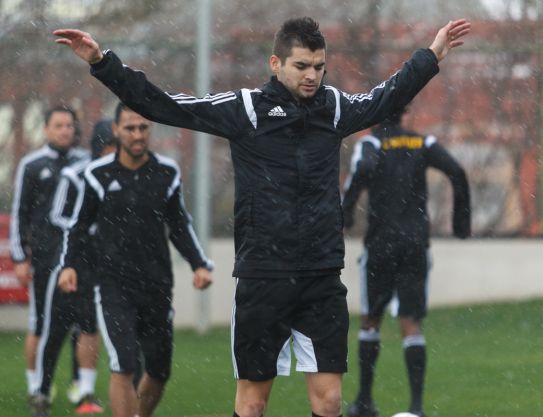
column 114, row 364
column 305, row 352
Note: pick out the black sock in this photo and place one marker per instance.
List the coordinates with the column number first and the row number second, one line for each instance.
column 415, row 360
column 368, row 352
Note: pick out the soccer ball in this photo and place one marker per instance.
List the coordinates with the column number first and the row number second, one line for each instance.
column 404, row 415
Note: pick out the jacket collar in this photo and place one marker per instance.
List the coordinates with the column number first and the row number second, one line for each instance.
column 277, row 89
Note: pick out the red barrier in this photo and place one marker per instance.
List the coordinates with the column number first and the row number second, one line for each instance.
column 10, row 289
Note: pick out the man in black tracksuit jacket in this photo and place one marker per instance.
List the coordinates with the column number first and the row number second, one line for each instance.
column 134, row 197
column 74, row 311
column 391, row 163
column 35, row 241
column 285, row 139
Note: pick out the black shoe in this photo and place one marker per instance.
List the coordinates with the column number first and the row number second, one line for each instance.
column 359, row 409
column 40, row 405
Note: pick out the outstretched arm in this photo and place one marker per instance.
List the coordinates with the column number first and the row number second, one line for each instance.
column 81, row 43
column 450, row 36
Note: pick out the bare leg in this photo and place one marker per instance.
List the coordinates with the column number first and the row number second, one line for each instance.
column 122, row 395
column 87, row 350
column 324, row 391
column 150, row 392
column 252, row 397
column 31, row 347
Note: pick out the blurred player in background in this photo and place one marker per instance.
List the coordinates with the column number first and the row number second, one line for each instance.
column 35, row 241
column 135, row 199
column 391, row 163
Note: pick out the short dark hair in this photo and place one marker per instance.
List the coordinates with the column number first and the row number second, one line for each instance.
column 102, row 136
column 301, row 32
column 59, row 109
column 119, row 109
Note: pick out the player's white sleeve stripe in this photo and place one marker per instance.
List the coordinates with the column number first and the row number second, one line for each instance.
column 284, row 359
column 215, row 99
column 176, row 182
column 17, row 250
column 207, row 97
column 429, row 140
column 114, row 364
column 373, row 140
column 194, row 238
column 364, row 302
column 224, row 100
column 305, row 352
column 366, row 96
column 46, row 325
column 337, row 114
column 93, row 181
column 232, row 332
column 59, row 201
column 249, row 107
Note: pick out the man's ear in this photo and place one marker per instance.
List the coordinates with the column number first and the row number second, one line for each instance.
column 115, row 129
column 275, row 63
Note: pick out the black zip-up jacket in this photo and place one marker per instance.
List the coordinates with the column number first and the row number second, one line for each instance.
column 392, row 164
column 134, row 210
column 285, row 155
column 66, row 205
column 31, row 231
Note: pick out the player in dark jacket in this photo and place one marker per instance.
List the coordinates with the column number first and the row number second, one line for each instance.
column 135, row 200
column 75, row 311
column 35, row 241
column 391, row 163
column 285, row 139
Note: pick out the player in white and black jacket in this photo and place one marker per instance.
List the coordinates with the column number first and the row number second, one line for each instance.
column 35, row 241
column 285, row 139
column 392, row 163
column 76, row 311
column 134, row 198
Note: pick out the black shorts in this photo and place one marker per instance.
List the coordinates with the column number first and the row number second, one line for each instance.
column 271, row 314
column 134, row 323
column 394, row 269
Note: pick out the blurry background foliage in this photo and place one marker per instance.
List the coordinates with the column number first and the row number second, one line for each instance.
column 485, row 106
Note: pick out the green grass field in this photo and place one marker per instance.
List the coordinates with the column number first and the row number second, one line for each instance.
column 484, row 361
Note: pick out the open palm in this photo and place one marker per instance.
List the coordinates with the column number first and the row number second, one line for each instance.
column 82, row 43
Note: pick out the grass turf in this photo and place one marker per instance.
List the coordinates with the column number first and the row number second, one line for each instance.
column 483, row 361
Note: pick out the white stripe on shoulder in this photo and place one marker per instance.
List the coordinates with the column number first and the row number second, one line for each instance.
column 337, row 114
column 214, row 99
column 373, row 140
column 176, row 182
column 366, row 96
column 248, row 103
column 17, row 250
column 429, row 140
column 93, row 181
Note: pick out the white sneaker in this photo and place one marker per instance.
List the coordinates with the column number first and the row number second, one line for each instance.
column 73, row 394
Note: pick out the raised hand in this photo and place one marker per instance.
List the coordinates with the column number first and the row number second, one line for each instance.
column 82, row 43
column 450, row 36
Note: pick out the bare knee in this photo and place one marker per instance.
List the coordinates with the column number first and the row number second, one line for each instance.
column 251, row 407
column 252, row 397
column 325, row 393
column 328, row 403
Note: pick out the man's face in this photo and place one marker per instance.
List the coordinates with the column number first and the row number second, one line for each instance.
column 133, row 132
column 302, row 71
column 60, row 130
